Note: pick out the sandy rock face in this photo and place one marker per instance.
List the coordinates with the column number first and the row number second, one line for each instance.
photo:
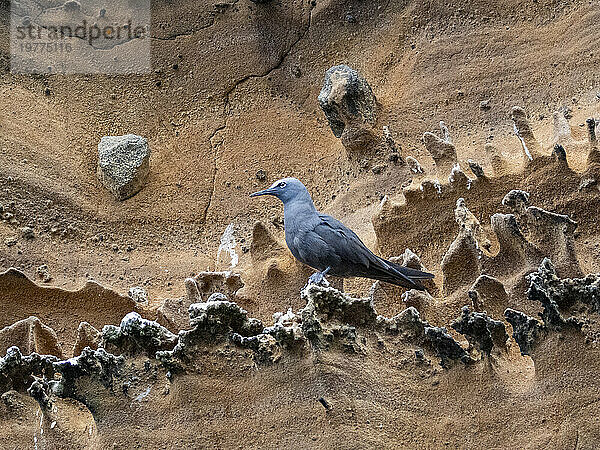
column 123, row 164
column 30, row 335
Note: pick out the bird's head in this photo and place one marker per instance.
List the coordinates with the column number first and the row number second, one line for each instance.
column 286, row 189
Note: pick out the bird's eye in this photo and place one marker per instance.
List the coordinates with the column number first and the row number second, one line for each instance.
column 282, row 184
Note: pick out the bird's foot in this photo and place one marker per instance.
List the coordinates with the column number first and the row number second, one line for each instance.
column 318, row 278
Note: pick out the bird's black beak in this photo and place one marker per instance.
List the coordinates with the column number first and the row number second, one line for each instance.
column 268, row 191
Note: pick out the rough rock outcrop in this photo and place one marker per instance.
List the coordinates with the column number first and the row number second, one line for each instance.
column 98, row 366
column 173, row 313
column 136, row 334
column 447, row 349
column 526, row 330
column 442, row 151
column 494, row 159
column 591, row 176
column 16, row 370
column 87, row 336
column 123, row 164
column 565, row 303
column 213, row 321
column 461, row 263
column 482, row 332
column 40, row 390
column 350, row 107
column 332, row 316
column 552, row 234
column 562, row 294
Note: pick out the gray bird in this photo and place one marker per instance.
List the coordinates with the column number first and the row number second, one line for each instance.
column 327, row 245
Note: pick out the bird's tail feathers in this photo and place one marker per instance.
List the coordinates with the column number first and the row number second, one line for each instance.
column 393, row 275
column 412, row 273
column 410, row 284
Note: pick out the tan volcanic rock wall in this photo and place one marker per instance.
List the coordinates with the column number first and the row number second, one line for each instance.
column 232, row 104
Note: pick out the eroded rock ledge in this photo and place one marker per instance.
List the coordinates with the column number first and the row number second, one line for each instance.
column 567, row 304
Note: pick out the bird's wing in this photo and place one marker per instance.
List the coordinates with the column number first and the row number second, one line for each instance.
column 315, row 249
column 348, row 246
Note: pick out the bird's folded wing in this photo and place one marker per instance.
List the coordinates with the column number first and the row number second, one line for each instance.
column 350, row 248
column 345, row 243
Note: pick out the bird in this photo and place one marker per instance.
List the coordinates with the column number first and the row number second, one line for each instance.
column 327, row 245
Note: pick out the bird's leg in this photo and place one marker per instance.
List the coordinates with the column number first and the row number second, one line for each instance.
column 319, row 277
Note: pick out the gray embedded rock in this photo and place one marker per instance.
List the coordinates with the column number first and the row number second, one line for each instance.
column 123, row 164
column 27, row 232
column 559, row 153
column 517, row 200
column 44, row 274
column 192, row 293
column 476, row 168
column 345, row 97
column 567, row 292
column 350, row 107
